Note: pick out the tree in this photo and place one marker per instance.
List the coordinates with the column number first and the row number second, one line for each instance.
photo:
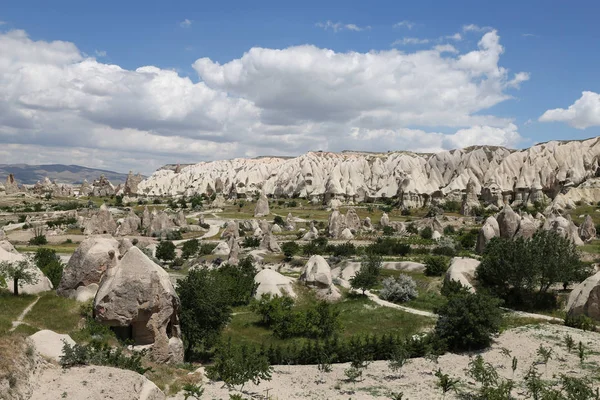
column 290, row 249
column 436, row 266
column 205, row 309
column 190, row 248
column 50, row 264
column 20, row 272
column 278, row 220
column 237, row 365
column 238, row 281
column 467, row 321
column 165, row 251
column 39, row 238
column 366, row 278
column 522, row 271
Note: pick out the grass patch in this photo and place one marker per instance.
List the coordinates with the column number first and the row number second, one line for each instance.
column 10, row 308
column 63, row 248
column 25, row 330
column 56, row 313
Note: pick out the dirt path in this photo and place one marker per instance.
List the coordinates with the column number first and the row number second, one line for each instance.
column 384, row 303
column 20, row 318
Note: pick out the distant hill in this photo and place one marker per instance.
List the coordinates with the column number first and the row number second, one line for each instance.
column 30, row 174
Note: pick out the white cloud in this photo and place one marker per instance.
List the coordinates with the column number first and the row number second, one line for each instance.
column 57, row 105
column 529, row 35
column 406, row 24
column 457, row 36
column 585, row 112
column 338, row 26
column 2, row 22
column 475, row 28
column 186, row 23
column 409, row 41
column 100, row 53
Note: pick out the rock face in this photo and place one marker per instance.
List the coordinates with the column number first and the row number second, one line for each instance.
column 273, row 283
column 130, row 224
column 102, row 187
column 269, row 243
column 385, row 220
column 262, row 207
column 346, row 234
column 352, row 220
column 85, row 189
column 101, row 223
column 47, row 187
column 88, row 264
column 49, row 344
column 462, row 269
column 222, row 249
column 587, row 230
column 499, row 175
column 11, row 186
column 489, row 230
column 336, row 225
column 316, row 272
column 585, row 298
column 131, row 184
column 232, row 229
column 234, row 253
column 137, row 298
column 470, row 201
column 290, row 223
column 564, row 227
column 508, row 222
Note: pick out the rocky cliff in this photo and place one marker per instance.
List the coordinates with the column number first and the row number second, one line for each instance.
column 544, row 172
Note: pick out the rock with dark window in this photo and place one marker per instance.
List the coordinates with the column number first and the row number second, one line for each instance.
column 137, row 299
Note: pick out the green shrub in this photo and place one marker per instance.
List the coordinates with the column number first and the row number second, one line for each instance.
column 436, row 266
column 290, row 249
column 389, row 230
column 250, row 242
column 399, row 290
column 278, row 220
column 580, row 322
column 449, row 230
column 190, row 248
column 368, row 275
column 426, row 233
column 165, row 251
column 96, row 353
column 444, row 251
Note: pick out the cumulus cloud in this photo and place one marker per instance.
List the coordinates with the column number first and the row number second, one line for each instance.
column 585, row 112
column 475, row 28
column 186, row 23
column 409, row 41
column 457, row 36
column 58, row 105
column 338, row 26
column 100, row 53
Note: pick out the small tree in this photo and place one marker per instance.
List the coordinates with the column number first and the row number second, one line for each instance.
column 165, row 251
column 20, row 272
column 237, row 365
column 426, row 233
column 50, row 264
column 436, row 265
column 278, row 220
column 205, row 308
column 467, row 321
column 368, row 275
column 290, row 249
column 190, row 248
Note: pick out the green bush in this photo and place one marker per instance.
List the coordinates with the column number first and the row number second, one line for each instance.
column 251, row 242
column 449, row 230
column 190, row 248
column 279, row 221
column 389, row 230
column 368, row 275
column 426, row 233
column 444, row 251
column 290, row 249
column 436, row 266
column 580, row 322
column 468, row 321
column 96, row 353
column 388, row 247
column 165, row 251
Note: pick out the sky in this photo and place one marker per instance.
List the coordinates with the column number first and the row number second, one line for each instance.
column 133, row 85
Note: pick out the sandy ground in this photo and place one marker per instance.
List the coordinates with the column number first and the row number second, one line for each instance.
column 417, row 380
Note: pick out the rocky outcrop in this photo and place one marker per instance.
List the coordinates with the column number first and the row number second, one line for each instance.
column 587, row 230
column 346, row 234
column 564, row 227
column 262, row 207
column 136, row 297
column 499, row 175
column 290, row 222
column 160, row 223
column 85, row 189
column 88, row 264
column 102, row 187
column 234, row 252
column 232, row 229
column 352, row 220
column 385, row 220
column 101, row 222
column 11, row 186
column 367, row 225
column 269, row 243
column 312, row 233
column 317, row 274
column 469, row 201
column 46, row 187
column 273, row 283
column 508, row 222
column 336, row 224
column 130, row 225
column 131, row 184
column 50, row 344
column 462, row 269
column 488, row 231
column 222, row 249
column 585, row 298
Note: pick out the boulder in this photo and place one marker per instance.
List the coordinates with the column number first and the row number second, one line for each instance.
column 50, row 344
column 290, row 223
column 470, row 200
column 276, row 229
column 346, row 234
column 352, row 220
column 273, row 283
column 436, row 235
column 88, row 264
column 316, row 272
column 262, row 206
column 222, row 249
column 488, row 231
column 367, row 224
column 385, row 220
column 585, row 298
column 234, row 253
column 462, row 269
column 334, row 204
column 312, row 233
column 130, row 225
column 269, row 243
column 131, row 183
column 160, row 223
column 180, row 219
column 587, row 230
column 137, row 298
column 508, row 222
column 101, row 223
column 527, row 227
column 146, row 219
column 335, row 224
column 232, row 229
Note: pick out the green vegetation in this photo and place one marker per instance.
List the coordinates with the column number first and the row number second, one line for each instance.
column 50, row 264
column 165, row 251
column 367, row 277
column 18, row 273
column 190, row 248
column 436, row 266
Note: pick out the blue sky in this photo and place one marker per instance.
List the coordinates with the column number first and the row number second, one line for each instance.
column 555, row 43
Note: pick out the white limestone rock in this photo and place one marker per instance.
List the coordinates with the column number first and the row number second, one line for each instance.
column 273, row 283
column 50, row 344
column 462, row 269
